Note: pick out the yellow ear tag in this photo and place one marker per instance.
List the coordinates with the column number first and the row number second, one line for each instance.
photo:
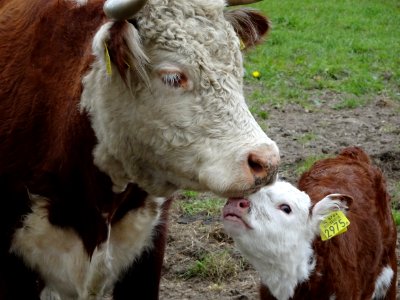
column 107, row 60
column 334, row 224
column 242, row 45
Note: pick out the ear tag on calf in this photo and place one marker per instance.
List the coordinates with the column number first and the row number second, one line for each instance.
column 107, row 60
column 334, row 224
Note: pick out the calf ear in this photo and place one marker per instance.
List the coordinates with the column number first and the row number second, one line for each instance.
column 249, row 24
column 330, row 203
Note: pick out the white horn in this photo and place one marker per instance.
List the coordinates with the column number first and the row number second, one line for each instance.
column 122, row 9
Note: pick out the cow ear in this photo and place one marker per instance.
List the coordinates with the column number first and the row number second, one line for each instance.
column 249, row 24
column 125, row 50
column 330, row 203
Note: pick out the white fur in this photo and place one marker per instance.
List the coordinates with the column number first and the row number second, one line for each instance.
column 382, row 283
column 59, row 255
column 162, row 137
column 269, row 245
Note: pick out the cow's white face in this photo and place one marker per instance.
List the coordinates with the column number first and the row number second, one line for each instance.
column 187, row 125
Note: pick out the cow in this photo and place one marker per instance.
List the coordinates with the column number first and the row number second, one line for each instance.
column 107, row 109
column 277, row 229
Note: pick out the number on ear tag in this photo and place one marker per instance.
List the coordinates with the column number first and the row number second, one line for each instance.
column 334, row 224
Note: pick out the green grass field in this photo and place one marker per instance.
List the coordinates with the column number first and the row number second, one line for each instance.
column 348, row 48
column 344, row 50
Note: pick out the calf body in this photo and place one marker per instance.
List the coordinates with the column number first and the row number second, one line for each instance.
column 277, row 229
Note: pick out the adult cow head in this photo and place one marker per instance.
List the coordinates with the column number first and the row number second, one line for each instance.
column 165, row 96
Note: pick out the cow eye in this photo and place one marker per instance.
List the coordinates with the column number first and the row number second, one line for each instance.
column 285, row 208
column 174, row 79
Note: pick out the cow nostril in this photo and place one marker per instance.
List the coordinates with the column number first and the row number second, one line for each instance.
column 257, row 167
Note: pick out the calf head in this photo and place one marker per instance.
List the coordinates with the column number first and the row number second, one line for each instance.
column 168, row 109
column 274, row 229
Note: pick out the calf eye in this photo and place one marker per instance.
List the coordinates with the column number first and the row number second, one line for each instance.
column 285, row 208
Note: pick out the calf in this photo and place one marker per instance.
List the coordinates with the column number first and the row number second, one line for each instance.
column 277, row 230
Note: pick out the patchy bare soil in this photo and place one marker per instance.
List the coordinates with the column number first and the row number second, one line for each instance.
column 299, row 134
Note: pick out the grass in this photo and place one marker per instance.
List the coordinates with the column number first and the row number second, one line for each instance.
column 350, row 48
column 207, row 206
column 307, row 137
column 396, row 192
column 190, row 194
column 306, row 164
column 396, row 203
column 396, row 217
column 348, row 103
column 215, row 266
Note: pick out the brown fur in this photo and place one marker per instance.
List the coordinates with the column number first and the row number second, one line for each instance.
column 349, row 264
column 46, row 143
column 249, row 25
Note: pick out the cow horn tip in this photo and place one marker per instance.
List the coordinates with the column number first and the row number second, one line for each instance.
column 122, row 9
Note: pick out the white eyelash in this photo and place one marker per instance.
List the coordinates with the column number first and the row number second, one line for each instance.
column 171, row 78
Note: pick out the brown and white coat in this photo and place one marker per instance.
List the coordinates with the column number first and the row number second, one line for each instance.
column 99, row 120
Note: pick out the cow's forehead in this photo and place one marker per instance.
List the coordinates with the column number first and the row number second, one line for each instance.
column 196, row 30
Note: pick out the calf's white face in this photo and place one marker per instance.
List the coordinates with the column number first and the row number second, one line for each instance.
column 274, row 229
column 275, row 219
column 187, row 125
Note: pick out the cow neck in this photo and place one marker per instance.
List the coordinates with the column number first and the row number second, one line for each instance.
column 83, row 198
column 60, row 167
column 132, row 198
column 79, row 195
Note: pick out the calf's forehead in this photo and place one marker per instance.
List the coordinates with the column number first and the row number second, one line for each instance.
column 282, row 193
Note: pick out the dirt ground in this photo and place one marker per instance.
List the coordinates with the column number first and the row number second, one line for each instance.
column 374, row 127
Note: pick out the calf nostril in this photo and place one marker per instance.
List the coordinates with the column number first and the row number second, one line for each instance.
column 244, row 204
